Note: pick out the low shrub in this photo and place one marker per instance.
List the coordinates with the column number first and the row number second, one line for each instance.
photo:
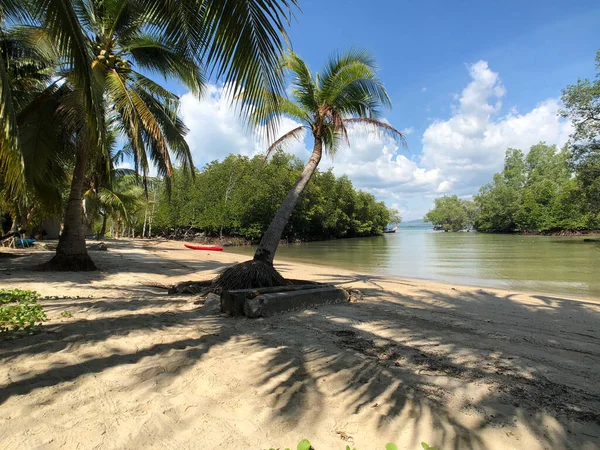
column 19, row 311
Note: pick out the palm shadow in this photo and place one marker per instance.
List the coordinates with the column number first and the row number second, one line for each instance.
column 391, row 359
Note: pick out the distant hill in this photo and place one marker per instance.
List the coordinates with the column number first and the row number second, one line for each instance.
column 415, row 223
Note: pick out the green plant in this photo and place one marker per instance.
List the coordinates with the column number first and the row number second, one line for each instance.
column 427, row 447
column 19, row 310
column 66, row 314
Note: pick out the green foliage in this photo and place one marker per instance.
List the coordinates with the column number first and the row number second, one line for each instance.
column 304, row 444
column 395, row 216
column 534, row 193
column 240, row 196
column 66, row 314
column 451, row 213
column 19, row 311
column 582, row 106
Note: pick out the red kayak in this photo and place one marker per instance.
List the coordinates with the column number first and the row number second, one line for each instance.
column 214, row 248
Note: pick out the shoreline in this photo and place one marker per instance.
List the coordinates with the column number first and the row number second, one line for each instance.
column 315, row 266
column 454, row 366
column 448, row 284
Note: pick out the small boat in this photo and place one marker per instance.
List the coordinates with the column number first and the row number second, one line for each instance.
column 214, row 248
column 392, row 230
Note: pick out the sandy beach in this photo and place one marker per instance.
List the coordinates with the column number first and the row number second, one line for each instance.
column 122, row 365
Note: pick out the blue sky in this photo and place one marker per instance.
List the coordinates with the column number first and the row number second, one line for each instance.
column 467, row 80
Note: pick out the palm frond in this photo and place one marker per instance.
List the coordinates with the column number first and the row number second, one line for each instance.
column 46, row 147
column 153, row 88
column 11, row 164
column 240, row 42
column 165, row 58
column 332, row 138
column 337, row 62
column 304, row 90
column 16, row 10
column 379, row 127
column 173, row 129
column 60, row 18
column 281, row 106
column 350, row 85
column 294, row 134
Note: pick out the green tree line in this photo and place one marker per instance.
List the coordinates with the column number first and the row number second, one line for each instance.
column 239, row 197
column 537, row 192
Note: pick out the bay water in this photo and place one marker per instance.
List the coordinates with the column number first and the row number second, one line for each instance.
column 553, row 265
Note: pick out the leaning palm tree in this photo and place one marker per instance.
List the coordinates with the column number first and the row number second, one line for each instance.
column 346, row 93
column 103, row 44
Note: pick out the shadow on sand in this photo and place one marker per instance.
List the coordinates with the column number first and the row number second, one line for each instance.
column 392, row 357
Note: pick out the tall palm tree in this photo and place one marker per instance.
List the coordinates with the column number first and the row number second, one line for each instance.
column 143, row 111
column 103, row 42
column 346, row 93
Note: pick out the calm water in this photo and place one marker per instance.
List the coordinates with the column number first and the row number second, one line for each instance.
column 559, row 265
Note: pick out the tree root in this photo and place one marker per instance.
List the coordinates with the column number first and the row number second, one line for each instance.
column 68, row 263
column 246, row 275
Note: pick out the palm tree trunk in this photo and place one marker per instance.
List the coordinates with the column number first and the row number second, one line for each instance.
column 103, row 229
column 145, row 221
column 270, row 240
column 71, row 253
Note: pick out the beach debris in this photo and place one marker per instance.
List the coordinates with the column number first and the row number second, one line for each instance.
column 212, row 303
column 201, row 288
column 345, row 436
column 355, row 295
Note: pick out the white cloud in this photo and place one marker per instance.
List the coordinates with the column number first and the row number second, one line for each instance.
column 152, row 170
column 373, row 162
column 124, row 165
column 408, row 130
column 469, row 146
column 216, row 130
column 423, row 89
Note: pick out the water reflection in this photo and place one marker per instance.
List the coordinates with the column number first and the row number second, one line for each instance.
column 538, row 263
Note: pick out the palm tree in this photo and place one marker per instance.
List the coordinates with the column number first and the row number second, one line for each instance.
column 346, row 93
column 113, row 194
column 118, row 202
column 34, row 155
column 101, row 43
column 142, row 111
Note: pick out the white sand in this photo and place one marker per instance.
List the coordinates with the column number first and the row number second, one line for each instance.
column 458, row 367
